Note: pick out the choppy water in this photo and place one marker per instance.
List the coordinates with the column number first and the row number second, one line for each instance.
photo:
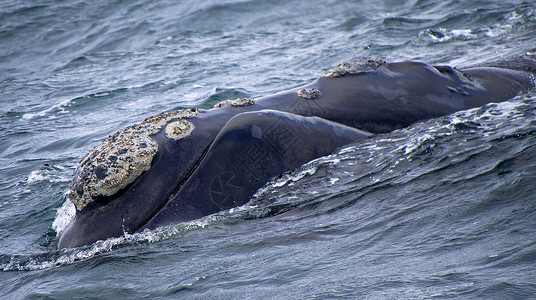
column 445, row 208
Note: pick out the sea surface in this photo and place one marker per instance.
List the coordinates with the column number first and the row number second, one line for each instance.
column 445, row 208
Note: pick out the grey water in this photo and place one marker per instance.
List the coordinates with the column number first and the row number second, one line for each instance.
column 443, row 209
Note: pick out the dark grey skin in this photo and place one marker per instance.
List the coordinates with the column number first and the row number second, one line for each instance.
column 234, row 151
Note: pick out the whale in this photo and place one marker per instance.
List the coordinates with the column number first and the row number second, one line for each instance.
column 185, row 164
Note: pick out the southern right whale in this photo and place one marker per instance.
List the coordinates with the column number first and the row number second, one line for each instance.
column 181, row 165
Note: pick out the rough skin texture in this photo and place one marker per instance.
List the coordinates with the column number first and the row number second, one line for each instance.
column 179, row 129
column 309, row 93
column 123, row 157
column 240, row 102
column 354, row 66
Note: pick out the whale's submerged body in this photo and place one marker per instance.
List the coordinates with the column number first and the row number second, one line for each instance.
column 182, row 165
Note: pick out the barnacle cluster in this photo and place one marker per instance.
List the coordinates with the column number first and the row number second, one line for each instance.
column 240, row 102
column 309, row 93
column 354, row 66
column 124, row 156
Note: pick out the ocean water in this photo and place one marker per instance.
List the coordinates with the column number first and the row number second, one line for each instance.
column 445, row 208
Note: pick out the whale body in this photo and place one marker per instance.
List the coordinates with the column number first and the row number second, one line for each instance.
column 182, row 165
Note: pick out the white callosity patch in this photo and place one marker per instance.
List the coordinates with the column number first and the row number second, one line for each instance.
column 240, row 102
column 309, row 93
column 179, row 129
column 123, row 157
column 354, row 66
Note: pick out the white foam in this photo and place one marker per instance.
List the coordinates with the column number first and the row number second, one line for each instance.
column 333, row 180
column 35, row 176
column 64, row 216
column 242, row 208
column 504, row 27
column 347, row 149
column 60, row 106
column 294, row 177
column 416, row 142
column 443, row 34
column 48, row 175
